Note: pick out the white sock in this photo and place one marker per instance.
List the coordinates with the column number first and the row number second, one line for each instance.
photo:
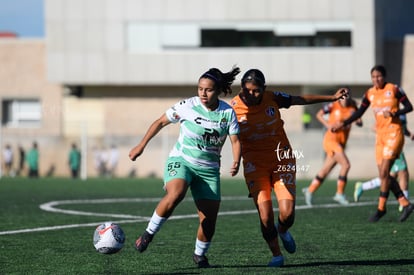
column 201, row 247
column 371, row 184
column 155, row 223
column 405, row 192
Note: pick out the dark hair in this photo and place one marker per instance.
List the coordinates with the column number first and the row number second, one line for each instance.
column 254, row 76
column 379, row 68
column 222, row 81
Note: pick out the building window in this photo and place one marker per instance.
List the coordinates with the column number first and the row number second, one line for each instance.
column 237, row 38
column 159, row 36
column 21, row 113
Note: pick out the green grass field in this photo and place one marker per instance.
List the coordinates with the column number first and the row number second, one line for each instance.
column 330, row 238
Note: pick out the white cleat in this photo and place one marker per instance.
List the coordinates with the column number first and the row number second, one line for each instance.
column 340, row 198
column 308, row 196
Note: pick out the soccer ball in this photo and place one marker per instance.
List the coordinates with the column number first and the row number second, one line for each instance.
column 108, row 238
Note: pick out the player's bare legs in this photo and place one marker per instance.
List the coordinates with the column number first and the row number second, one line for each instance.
column 175, row 193
column 207, row 213
column 403, row 178
column 328, row 165
column 286, row 215
column 343, row 161
column 390, row 183
column 267, row 225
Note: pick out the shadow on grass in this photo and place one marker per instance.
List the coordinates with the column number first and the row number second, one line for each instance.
column 357, row 263
column 313, row 264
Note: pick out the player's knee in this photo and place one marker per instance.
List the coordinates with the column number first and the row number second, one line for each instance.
column 286, row 221
column 346, row 166
column 383, row 173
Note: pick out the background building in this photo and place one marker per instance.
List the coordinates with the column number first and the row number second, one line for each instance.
column 116, row 65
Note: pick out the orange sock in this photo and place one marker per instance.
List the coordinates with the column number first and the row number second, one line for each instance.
column 403, row 201
column 340, row 186
column 381, row 203
column 315, row 184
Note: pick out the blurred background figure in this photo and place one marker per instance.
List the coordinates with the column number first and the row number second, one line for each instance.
column 22, row 158
column 306, row 120
column 8, row 161
column 32, row 159
column 334, row 145
column 113, row 160
column 74, row 161
column 101, row 158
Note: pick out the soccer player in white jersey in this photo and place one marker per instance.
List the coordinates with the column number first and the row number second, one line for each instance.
column 194, row 162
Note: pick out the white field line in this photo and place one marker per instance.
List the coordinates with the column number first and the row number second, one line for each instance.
column 53, row 207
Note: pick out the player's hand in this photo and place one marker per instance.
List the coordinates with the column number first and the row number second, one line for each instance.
column 234, row 168
column 338, row 126
column 341, row 93
column 387, row 114
column 136, row 152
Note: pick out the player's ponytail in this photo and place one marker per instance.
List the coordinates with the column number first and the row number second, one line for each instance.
column 222, row 81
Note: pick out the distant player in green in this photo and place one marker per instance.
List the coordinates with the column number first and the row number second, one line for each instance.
column 194, row 162
column 74, row 161
column 32, row 159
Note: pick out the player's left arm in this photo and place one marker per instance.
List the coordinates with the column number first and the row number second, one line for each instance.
column 358, row 121
column 403, row 99
column 236, row 149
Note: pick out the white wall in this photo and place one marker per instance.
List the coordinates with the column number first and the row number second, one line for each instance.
column 88, row 41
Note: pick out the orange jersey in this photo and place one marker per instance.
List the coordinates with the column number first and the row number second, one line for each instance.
column 390, row 137
column 385, row 99
column 338, row 113
column 261, row 128
column 268, row 159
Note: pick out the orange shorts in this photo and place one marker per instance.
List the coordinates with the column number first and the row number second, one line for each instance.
column 263, row 176
column 331, row 147
column 388, row 145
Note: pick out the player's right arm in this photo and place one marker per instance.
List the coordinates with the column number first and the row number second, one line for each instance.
column 356, row 115
column 320, row 116
column 152, row 131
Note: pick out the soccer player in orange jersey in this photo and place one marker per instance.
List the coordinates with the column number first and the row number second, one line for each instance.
column 268, row 159
column 334, row 146
column 385, row 99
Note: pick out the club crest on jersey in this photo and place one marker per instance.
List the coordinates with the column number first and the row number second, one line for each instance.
column 223, row 123
column 270, row 111
column 388, row 93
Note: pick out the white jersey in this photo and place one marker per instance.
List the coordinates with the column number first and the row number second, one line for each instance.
column 202, row 132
